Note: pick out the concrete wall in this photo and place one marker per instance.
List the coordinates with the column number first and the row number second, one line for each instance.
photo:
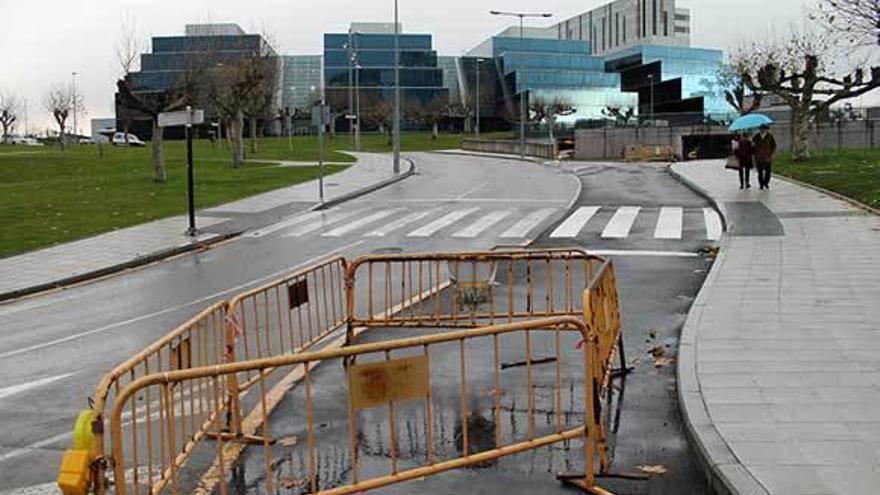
column 611, row 142
column 508, row 146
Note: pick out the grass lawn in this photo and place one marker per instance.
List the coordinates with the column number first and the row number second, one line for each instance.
column 853, row 173
column 48, row 196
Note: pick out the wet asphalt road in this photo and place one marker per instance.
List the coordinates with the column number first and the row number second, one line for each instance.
column 55, row 347
column 84, row 331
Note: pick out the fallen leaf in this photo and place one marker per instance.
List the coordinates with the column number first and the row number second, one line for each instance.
column 652, row 468
column 657, row 351
column 652, row 334
column 662, row 361
column 288, row 441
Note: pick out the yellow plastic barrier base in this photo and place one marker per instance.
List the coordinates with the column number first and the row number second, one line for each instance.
column 73, row 476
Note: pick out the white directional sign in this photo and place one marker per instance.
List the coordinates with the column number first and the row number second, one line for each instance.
column 171, row 119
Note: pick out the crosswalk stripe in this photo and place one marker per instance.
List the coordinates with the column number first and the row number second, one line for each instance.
column 525, row 225
column 290, row 222
column 621, row 223
column 669, row 223
column 327, row 221
column 400, row 223
column 361, row 222
column 482, row 224
column 713, row 224
column 575, row 222
column 442, row 222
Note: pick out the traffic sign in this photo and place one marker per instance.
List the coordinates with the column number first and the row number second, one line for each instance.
column 171, row 119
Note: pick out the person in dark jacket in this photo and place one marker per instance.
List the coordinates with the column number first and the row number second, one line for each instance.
column 745, row 155
column 765, row 148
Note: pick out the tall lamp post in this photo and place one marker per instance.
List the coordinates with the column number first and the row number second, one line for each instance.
column 357, row 106
column 73, row 85
column 479, row 62
column 522, row 96
column 651, row 100
column 396, row 122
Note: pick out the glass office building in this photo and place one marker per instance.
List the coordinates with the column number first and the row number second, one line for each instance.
column 368, row 49
column 301, row 81
column 174, row 61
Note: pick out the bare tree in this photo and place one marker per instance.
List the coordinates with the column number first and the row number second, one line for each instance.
column 621, row 115
column 378, row 111
column 801, row 70
column 463, row 112
column 857, row 20
column 127, row 55
column 735, row 92
column 549, row 110
column 59, row 102
column 9, row 108
column 427, row 114
column 233, row 90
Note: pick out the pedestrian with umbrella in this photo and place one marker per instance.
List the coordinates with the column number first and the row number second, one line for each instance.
column 763, row 145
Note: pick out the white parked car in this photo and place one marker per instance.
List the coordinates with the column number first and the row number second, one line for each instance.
column 24, row 141
column 119, row 140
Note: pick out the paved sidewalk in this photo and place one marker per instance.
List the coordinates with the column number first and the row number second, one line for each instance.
column 779, row 370
column 161, row 238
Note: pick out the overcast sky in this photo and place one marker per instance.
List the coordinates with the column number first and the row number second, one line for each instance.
column 44, row 41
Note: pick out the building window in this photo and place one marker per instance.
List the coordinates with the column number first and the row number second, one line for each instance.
column 603, row 34
column 682, row 17
column 654, row 16
column 616, row 29
column 624, row 30
column 644, row 18
column 682, row 30
column 665, row 23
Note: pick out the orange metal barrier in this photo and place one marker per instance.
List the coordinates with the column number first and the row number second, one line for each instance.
column 388, row 383
column 290, row 317
column 467, row 288
column 198, row 342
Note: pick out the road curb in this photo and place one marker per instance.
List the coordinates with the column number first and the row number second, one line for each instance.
column 119, row 267
column 726, row 225
column 366, row 190
column 186, row 248
column 725, row 473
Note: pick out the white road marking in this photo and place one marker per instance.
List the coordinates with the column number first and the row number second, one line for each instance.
column 713, row 224
column 482, row 224
column 21, row 387
column 524, row 226
column 635, row 252
column 50, row 488
column 669, row 223
column 572, row 225
column 400, row 223
column 290, row 222
column 441, row 222
column 621, row 223
column 361, row 222
column 202, row 300
column 326, row 221
column 469, row 191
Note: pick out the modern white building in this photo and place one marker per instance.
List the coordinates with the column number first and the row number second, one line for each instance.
column 626, row 23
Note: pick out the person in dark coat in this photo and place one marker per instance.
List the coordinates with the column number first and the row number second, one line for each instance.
column 765, row 148
column 745, row 155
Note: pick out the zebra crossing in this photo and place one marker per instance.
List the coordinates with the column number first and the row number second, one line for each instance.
column 605, row 222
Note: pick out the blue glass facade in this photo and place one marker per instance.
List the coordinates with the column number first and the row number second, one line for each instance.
column 551, row 68
column 372, row 56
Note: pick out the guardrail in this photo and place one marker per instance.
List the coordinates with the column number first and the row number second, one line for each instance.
column 243, row 341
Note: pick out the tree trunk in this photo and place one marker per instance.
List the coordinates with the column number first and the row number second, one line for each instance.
column 158, row 155
column 237, row 126
column 253, row 130
column 61, row 141
column 801, row 144
column 551, row 122
column 434, row 131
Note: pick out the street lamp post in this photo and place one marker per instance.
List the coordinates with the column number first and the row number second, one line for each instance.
column 522, row 96
column 479, row 62
column 73, row 83
column 350, row 54
column 357, row 106
column 396, row 123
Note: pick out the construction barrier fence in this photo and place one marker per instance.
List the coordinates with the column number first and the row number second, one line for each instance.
column 181, row 402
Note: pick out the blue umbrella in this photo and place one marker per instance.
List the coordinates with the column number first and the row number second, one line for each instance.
column 749, row 122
